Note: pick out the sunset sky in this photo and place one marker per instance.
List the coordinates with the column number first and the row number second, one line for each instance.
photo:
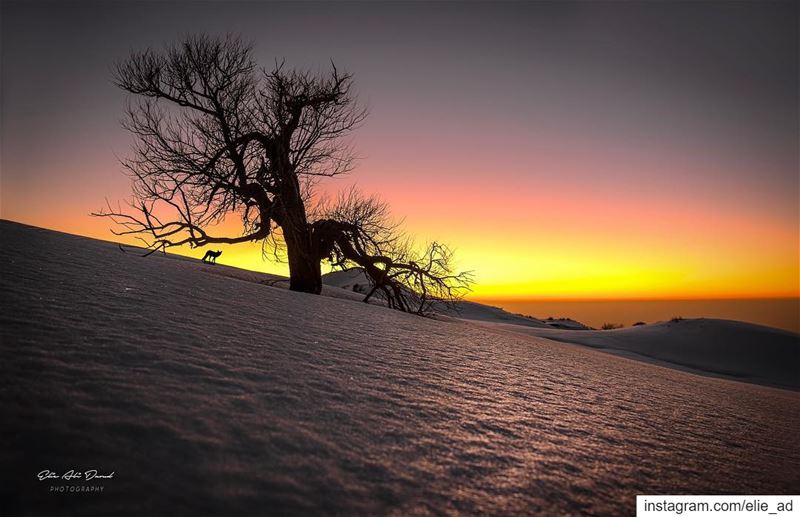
column 565, row 150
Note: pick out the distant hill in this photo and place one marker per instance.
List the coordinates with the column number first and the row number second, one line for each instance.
column 354, row 280
column 732, row 349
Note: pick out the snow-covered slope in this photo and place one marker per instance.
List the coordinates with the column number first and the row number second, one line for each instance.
column 208, row 395
column 733, row 349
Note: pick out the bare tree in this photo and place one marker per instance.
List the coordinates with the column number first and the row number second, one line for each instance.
column 358, row 232
column 216, row 136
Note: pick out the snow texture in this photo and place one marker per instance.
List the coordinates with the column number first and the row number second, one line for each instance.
column 211, row 395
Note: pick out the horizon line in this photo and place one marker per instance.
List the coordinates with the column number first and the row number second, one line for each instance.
column 534, row 298
column 482, row 298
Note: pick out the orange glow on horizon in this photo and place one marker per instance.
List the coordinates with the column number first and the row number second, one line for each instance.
column 612, row 247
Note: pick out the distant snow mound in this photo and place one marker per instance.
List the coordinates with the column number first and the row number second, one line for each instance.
column 732, row 349
column 350, row 279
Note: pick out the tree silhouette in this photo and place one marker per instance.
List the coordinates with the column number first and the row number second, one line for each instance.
column 357, row 232
column 215, row 136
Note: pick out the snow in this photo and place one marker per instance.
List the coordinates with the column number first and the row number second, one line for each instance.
column 208, row 394
column 730, row 349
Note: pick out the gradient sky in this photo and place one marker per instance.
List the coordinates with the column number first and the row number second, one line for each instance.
column 566, row 150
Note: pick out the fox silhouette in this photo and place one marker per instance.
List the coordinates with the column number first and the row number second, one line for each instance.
column 211, row 256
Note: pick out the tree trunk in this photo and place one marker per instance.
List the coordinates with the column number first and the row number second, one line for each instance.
column 305, row 273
